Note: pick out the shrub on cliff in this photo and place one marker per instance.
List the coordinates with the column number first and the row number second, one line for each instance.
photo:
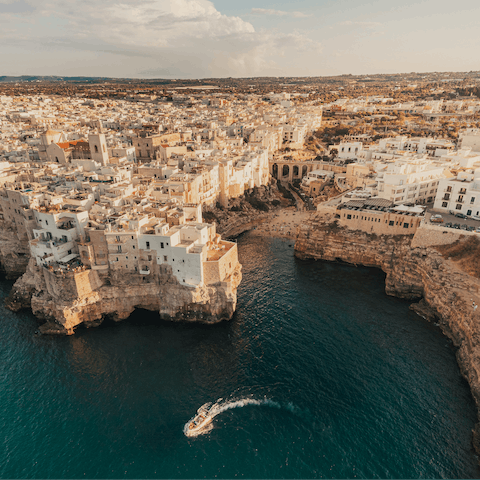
column 465, row 252
column 257, row 204
column 209, row 217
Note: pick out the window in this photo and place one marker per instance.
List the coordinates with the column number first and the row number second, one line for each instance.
column 117, row 238
column 444, row 204
column 349, row 217
column 46, row 221
column 472, row 200
column 458, row 207
column 119, row 248
column 149, row 258
column 148, row 245
column 391, row 223
column 449, row 189
column 96, row 149
column 405, row 225
column 165, row 258
column 161, row 244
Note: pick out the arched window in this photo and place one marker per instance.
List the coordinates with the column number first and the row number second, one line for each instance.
column 96, row 149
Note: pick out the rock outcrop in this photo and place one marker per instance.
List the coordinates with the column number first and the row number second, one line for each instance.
column 246, row 211
column 14, row 253
column 65, row 300
column 414, row 270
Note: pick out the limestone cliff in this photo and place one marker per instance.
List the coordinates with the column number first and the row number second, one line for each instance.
column 14, row 252
column 65, row 300
column 414, row 269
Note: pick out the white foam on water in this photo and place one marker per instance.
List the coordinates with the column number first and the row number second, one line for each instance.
column 217, row 408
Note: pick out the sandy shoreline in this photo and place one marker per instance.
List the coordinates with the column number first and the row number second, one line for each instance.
column 282, row 223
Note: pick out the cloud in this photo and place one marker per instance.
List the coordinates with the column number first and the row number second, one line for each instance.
column 14, row 6
column 360, row 24
column 143, row 23
column 268, row 54
column 187, row 38
column 279, row 13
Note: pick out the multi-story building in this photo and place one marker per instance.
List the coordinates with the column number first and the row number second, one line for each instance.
column 460, row 194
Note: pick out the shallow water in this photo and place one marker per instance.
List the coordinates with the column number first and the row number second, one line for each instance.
column 330, row 378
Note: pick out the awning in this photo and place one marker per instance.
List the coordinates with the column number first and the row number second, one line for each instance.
column 68, row 258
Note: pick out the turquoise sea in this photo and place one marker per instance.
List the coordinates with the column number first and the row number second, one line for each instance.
column 318, row 375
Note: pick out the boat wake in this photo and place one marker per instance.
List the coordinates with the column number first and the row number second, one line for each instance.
column 210, row 411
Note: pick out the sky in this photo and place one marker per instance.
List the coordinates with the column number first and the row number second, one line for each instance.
column 220, row 38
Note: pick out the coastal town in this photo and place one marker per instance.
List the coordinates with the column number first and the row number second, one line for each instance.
column 134, row 184
column 239, row 240
column 122, row 197
column 138, row 185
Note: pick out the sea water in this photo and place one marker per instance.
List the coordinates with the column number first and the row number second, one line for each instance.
column 318, row 375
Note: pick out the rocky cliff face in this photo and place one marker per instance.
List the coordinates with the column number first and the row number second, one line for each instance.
column 69, row 299
column 14, row 253
column 445, row 291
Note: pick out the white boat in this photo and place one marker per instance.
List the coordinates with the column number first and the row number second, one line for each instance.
column 199, row 422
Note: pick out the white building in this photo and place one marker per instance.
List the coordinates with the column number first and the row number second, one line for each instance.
column 408, row 180
column 55, row 239
column 460, row 194
column 471, row 139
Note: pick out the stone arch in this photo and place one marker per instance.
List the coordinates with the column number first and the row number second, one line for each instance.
column 285, row 170
column 274, row 170
column 304, row 170
column 295, row 170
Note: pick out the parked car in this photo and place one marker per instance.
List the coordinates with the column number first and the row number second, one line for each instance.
column 463, row 227
column 456, row 225
column 470, row 228
column 477, row 229
column 449, row 224
column 476, row 217
column 436, row 219
column 460, row 215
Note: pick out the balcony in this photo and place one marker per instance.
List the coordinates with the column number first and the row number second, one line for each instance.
column 145, row 272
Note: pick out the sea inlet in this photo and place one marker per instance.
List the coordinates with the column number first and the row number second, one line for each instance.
column 318, row 375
